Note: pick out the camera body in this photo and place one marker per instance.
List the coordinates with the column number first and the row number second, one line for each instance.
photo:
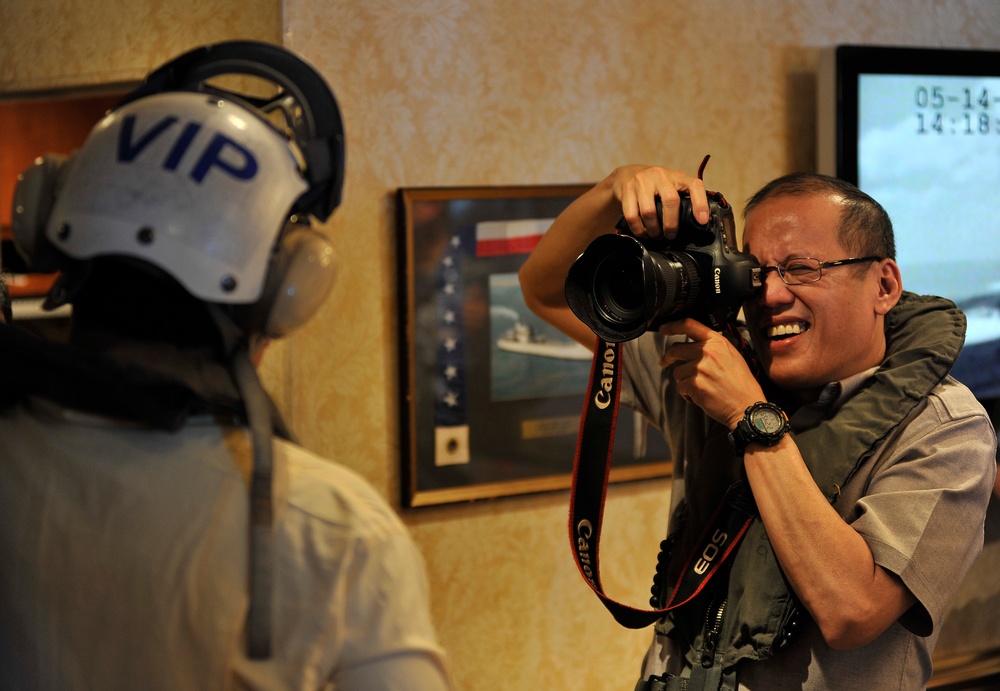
column 621, row 287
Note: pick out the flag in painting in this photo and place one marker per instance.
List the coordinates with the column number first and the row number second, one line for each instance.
column 495, row 238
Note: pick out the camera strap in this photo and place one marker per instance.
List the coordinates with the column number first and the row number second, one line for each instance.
column 591, row 470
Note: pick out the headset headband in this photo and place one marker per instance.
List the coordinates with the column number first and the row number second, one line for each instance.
column 318, row 129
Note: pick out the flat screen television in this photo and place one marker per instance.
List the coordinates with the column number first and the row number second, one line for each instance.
column 919, row 130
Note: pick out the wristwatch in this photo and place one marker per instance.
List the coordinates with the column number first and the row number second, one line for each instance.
column 762, row 423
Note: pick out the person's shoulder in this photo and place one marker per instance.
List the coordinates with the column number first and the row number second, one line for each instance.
column 953, row 410
column 954, row 401
column 331, row 493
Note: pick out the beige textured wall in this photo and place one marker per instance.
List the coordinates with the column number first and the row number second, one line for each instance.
column 60, row 43
column 498, row 92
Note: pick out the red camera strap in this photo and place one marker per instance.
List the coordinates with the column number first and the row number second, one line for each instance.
column 591, row 469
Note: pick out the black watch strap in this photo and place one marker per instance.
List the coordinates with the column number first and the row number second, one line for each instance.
column 763, row 423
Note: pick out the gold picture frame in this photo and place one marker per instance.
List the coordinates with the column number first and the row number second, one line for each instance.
column 491, row 396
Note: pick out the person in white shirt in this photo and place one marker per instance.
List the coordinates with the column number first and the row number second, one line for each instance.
column 160, row 528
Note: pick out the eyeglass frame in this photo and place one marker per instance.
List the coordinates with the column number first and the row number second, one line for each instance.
column 780, row 269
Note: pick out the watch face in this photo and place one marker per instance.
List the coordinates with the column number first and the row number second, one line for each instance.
column 767, row 421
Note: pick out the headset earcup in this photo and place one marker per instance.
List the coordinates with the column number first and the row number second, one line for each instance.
column 34, row 197
column 301, row 276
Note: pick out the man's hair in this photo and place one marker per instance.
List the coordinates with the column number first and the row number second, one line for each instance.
column 865, row 227
column 5, row 308
column 135, row 300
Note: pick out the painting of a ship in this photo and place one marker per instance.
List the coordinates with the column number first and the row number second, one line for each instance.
column 521, row 338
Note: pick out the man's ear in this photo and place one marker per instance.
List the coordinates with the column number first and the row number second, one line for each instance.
column 890, row 286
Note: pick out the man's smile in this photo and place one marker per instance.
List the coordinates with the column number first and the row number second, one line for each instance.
column 781, row 331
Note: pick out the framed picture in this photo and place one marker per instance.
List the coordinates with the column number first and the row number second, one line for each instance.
column 491, row 395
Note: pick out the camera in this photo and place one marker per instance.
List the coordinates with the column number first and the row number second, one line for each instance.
column 621, row 287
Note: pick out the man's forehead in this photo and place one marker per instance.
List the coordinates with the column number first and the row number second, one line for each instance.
column 785, row 202
column 794, row 220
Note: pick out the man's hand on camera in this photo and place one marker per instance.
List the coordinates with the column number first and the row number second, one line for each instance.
column 709, row 371
column 637, row 188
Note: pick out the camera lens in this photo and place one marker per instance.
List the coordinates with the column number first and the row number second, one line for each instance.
column 621, row 286
column 618, row 289
column 679, row 283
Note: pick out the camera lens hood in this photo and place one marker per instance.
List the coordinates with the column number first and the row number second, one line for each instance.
column 618, row 288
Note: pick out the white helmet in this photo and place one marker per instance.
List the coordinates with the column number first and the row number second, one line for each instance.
column 193, row 183
column 213, row 185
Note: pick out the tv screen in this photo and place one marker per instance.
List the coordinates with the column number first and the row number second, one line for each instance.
column 919, row 130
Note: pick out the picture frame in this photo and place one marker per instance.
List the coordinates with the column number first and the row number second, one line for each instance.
column 491, row 396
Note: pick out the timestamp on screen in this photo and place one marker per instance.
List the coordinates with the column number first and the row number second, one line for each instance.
column 964, row 124
column 965, row 111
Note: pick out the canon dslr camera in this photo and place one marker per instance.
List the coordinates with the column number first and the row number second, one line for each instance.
column 621, row 287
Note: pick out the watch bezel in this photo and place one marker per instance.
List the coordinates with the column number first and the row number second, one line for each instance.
column 747, row 431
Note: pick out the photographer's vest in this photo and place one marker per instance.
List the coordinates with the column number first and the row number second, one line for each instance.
column 755, row 614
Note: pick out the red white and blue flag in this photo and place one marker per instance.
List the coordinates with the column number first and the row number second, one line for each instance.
column 495, row 238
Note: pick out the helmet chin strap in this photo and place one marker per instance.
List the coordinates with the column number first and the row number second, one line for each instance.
column 67, row 284
column 257, row 405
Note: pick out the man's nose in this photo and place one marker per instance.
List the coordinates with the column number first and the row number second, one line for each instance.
column 774, row 290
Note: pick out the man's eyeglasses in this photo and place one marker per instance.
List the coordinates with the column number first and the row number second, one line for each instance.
column 801, row 270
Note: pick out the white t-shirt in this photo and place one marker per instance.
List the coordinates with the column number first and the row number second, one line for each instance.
column 123, row 565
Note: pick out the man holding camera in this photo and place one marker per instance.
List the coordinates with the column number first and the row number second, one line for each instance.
column 868, row 500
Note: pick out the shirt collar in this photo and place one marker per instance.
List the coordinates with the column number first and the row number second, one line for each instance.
column 830, row 399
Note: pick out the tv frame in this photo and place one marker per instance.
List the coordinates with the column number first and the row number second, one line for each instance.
column 837, row 90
